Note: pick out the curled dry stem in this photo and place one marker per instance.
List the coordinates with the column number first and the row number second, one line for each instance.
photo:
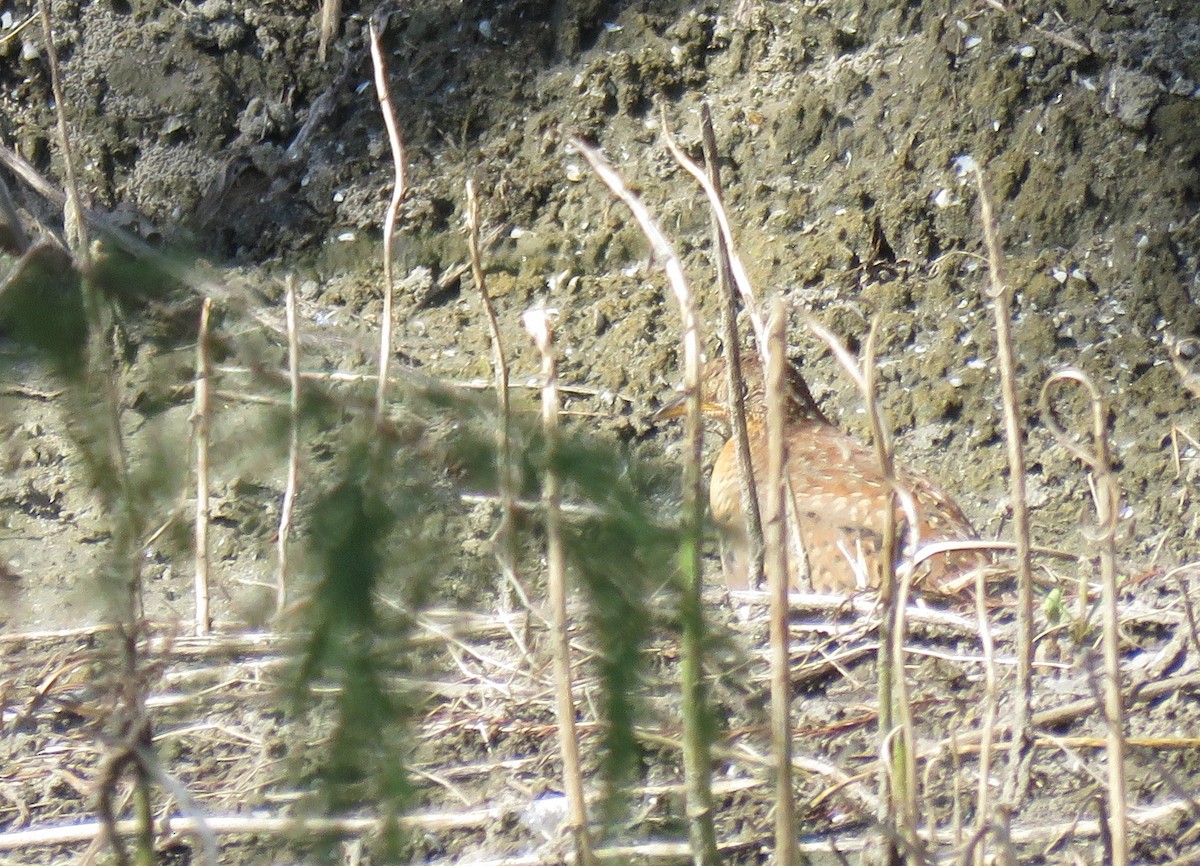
column 399, row 191
column 1107, row 499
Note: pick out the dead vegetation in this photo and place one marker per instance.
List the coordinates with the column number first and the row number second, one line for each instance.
column 363, row 722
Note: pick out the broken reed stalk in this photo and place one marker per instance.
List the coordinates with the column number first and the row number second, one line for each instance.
column 777, row 584
column 506, row 532
column 537, row 323
column 733, row 268
column 399, row 191
column 1014, row 434
column 1107, row 496
column 201, row 419
column 697, row 717
column 898, row 786
column 733, row 364
column 331, row 13
column 293, row 465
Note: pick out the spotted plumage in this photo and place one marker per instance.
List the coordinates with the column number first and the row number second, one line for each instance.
column 838, row 496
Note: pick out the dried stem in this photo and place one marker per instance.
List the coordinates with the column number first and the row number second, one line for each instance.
column 537, row 322
column 740, row 278
column 506, row 533
column 1014, row 434
column 777, row 583
column 331, row 13
column 127, row 537
column 399, row 190
column 293, row 465
column 898, row 786
column 733, row 366
column 12, row 236
column 201, row 409
column 1107, row 497
column 988, row 722
column 76, row 228
column 696, row 715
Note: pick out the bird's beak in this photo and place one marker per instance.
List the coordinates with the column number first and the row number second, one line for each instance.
column 677, row 408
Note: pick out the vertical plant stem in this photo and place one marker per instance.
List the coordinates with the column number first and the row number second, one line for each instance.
column 538, row 324
column 740, row 278
column 1107, row 496
column 777, row 581
column 1014, row 434
column 143, row 812
column 897, row 778
column 733, row 366
column 293, row 465
column 399, row 191
column 894, row 592
column 201, row 419
column 331, row 13
column 697, row 717
column 506, row 533
column 987, row 724
column 121, row 504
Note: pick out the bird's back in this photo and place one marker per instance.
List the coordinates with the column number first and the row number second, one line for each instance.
column 838, row 501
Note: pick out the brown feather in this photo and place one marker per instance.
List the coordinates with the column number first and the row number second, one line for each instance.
column 839, row 495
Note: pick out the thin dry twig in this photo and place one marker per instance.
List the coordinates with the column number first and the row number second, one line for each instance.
column 1014, row 434
column 777, row 578
column 537, row 322
column 740, row 277
column 1107, row 498
column 733, row 366
column 506, row 532
column 399, row 191
column 331, row 13
column 201, row 418
column 697, row 755
column 100, row 370
column 894, row 702
column 293, row 464
column 991, row 698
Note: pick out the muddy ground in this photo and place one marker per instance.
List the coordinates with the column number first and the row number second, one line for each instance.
column 214, row 133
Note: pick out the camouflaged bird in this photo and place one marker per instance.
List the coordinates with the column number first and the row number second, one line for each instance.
column 837, row 495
